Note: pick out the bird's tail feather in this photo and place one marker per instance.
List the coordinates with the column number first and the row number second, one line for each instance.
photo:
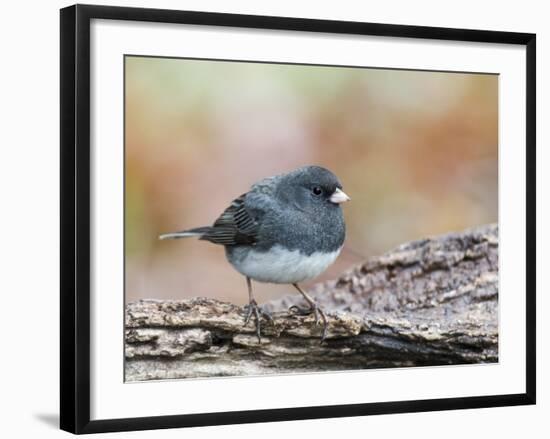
column 197, row 232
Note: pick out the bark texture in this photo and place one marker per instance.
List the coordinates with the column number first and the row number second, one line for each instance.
column 427, row 302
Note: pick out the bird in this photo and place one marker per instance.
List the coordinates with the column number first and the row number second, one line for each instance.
column 286, row 229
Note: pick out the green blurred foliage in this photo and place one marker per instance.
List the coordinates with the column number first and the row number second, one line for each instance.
column 417, row 152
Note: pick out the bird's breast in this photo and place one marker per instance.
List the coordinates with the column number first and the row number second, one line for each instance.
column 279, row 265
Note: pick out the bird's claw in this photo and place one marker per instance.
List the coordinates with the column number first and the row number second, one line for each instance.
column 317, row 311
column 253, row 308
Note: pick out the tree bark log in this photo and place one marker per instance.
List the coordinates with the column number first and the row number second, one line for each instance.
column 427, row 302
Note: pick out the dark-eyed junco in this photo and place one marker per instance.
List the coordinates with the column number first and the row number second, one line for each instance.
column 287, row 229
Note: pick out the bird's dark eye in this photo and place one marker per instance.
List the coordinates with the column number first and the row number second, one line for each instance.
column 317, row 190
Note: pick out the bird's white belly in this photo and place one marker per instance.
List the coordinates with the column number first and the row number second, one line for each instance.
column 282, row 266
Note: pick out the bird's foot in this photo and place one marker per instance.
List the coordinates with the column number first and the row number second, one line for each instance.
column 253, row 308
column 317, row 311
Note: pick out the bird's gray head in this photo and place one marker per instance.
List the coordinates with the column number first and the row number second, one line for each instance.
column 311, row 189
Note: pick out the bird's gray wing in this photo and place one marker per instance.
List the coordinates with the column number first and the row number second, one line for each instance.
column 239, row 224
column 235, row 226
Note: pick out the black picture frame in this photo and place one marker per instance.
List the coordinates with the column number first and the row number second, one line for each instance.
column 75, row 217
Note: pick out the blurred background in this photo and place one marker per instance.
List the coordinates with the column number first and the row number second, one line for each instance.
column 416, row 151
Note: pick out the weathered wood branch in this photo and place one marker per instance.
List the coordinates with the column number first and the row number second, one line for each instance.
column 428, row 302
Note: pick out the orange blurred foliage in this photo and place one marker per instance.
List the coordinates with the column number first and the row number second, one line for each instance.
column 417, row 152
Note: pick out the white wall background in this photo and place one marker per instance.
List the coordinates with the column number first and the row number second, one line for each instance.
column 29, row 170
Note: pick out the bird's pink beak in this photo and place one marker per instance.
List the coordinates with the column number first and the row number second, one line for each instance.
column 338, row 197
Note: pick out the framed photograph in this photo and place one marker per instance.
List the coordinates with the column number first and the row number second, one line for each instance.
column 275, row 218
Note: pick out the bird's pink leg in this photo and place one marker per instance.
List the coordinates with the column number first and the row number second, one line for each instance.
column 253, row 307
column 314, row 308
